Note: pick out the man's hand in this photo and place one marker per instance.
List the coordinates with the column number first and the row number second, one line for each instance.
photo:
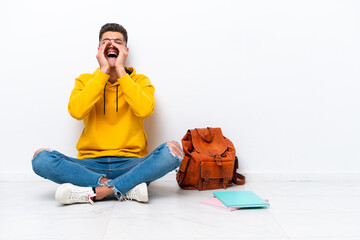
column 121, row 59
column 100, row 56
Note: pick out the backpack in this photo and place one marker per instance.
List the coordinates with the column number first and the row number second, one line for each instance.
column 209, row 162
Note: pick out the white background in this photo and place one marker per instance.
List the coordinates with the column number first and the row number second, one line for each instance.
column 281, row 78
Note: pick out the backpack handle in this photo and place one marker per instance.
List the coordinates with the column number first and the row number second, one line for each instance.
column 203, row 136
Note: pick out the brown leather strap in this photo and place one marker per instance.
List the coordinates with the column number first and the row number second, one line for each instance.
column 186, row 167
column 236, row 175
column 203, row 136
column 239, row 176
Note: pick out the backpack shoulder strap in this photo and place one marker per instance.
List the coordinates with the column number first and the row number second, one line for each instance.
column 238, row 178
column 241, row 178
column 183, row 169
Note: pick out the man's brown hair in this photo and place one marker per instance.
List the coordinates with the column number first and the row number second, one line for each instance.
column 113, row 27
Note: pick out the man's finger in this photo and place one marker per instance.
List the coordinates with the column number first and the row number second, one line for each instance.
column 106, row 46
column 103, row 47
column 122, row 47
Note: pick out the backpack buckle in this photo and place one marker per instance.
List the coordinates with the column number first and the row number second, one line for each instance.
column 206, row 178
column 218, row 160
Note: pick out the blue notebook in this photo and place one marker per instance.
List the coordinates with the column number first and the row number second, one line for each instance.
column 241, row 199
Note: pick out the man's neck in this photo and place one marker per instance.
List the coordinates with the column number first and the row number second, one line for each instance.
column 113, row 75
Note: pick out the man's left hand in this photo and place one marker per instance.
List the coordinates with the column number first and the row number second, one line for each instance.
column 121, row 59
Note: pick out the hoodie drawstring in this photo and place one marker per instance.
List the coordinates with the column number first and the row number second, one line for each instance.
column 104, row 97
column 117, row 97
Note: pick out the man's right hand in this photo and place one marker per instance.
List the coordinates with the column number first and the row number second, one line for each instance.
column 100, row 56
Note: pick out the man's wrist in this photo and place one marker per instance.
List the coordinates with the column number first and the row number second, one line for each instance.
column 120, row 70
column 105, row 70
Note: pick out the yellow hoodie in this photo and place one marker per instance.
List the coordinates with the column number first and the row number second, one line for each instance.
column 113, row 114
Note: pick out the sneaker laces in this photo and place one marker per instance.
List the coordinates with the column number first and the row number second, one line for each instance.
column 129, row 196
column 81, row 196
column 91, row 197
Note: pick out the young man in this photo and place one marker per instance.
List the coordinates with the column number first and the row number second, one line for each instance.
column 113, row 149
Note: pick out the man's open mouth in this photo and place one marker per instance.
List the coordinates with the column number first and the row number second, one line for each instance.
column 111, row 53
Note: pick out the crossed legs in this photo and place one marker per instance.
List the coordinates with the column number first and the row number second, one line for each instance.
column 167, row 163
column 105, row 190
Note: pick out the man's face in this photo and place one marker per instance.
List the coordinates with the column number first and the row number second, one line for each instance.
column 112, row 51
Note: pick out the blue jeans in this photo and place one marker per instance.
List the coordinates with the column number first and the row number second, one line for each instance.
column 124, row 172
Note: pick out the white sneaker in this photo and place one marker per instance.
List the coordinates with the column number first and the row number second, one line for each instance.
column 138, row 193
column 68, row 193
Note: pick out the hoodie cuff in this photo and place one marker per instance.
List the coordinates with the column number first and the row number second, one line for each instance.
column 126, row 82
column 102, row 77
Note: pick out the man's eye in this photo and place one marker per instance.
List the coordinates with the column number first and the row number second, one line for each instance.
column 119, row 42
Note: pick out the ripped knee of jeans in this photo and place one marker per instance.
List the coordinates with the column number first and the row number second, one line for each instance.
column 175, row 149
column 117, row 193
column 40, row 150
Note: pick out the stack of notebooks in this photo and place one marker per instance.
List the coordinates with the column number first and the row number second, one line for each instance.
column 233, row 200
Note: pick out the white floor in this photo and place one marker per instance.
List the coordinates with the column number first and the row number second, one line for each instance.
column 299, row 210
